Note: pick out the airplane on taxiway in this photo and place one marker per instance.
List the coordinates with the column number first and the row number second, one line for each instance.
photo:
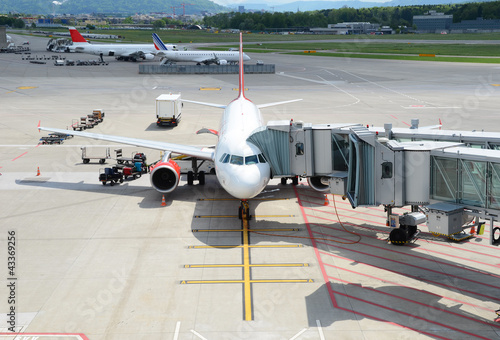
column 125, row 52
column 240, row 166
column 198, row 57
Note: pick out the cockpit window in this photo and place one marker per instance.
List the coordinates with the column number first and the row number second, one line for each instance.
column 225, row 158
column 261, row 158
column 249, row 160
column 236, row 160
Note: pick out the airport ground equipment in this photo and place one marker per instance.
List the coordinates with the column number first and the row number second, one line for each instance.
column 86, row 158
column 51, row 140
column 450, row 176
column 111, row 175
column 168, row 109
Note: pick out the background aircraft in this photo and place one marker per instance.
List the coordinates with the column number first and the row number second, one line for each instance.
column 120, row 51
column 198, row 57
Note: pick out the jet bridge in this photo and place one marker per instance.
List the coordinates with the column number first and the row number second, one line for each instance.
column 441, row 173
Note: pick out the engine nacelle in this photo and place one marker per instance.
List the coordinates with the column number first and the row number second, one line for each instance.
column 319, row 183
column 222, row 62
column 149, row 56
column 165, row 176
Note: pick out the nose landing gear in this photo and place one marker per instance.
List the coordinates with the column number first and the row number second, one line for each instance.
column 244, row 211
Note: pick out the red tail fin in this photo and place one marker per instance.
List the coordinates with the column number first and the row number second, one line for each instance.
column 241, row 74
column 76, row 36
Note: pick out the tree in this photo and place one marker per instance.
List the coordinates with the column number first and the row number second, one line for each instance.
column 157, row 24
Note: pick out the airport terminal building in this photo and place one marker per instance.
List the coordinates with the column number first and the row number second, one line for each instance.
column 434, row 22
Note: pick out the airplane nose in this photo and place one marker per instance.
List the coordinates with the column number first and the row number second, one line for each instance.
column 246, row 184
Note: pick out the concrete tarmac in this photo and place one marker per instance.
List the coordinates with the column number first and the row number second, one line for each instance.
column 99, row 262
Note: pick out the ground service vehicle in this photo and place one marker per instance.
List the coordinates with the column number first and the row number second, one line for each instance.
column 111, row 175
column 168, row 109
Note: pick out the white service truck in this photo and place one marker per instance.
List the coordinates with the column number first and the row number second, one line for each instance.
column 168, row 109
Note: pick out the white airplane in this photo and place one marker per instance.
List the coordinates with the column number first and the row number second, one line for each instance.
column 240, row 166
column 120, row 51
column 199, row 57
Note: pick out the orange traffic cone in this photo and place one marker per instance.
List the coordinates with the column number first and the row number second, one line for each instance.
column 38, row 171
column 473, row 230
column 163, row 203
column 326, row 201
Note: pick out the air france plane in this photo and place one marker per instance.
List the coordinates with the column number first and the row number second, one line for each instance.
column 240, row 166
column 198, row 57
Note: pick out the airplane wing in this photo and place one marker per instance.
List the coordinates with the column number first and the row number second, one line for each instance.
column 278, row 103
column 220, row 106
column 201, row 153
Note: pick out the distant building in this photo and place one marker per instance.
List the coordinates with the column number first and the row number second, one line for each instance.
column 478, row 25
column 241, row 9
column 348, row 28
column 432, row 22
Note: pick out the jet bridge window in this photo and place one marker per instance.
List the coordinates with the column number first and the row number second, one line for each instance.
column 299, row 149
column 249, row 160
column 237, row 160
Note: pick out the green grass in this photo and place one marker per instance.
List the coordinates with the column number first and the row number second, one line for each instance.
column 403, row 57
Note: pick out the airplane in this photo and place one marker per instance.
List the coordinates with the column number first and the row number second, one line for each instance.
column 120, row 51
column 240, row 166
column 199, row 57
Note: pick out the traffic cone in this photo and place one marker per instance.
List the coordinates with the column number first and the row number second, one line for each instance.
column 163, row 203
column 326, row 201
column 472, row 229
column 38, row 171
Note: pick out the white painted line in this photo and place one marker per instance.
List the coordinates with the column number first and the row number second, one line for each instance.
column 298, row 334
column 320, row 330
column 431, row 107
column 177, row 328
column 198, row 335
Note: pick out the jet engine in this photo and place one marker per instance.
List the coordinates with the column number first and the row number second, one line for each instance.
column 165, row 176
column 319, row 183
column 149, row 56
column 222, row 62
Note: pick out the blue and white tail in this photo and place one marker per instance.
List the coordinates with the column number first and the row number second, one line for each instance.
column 159, row 45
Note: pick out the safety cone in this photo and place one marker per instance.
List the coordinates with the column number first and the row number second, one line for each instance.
column 473, row 229
column 326, row 201
column 38, row 171
column 163, row 203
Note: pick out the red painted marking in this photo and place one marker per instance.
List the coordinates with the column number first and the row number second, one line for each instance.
column 20, row 156
column 415, row 266
column 394, row 117
column 402, row 312
column 331, row 292
column 406, row 124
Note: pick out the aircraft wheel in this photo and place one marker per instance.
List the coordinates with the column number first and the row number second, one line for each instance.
column 201, row 177
column 496, row 235
column 295, row 180
column 190, row 178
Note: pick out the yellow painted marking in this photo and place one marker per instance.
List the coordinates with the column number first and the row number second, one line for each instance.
column 26, row 87
column 274, row 215
column 255, row 246
column 235, row 89
column 215, row 216
column 495, row 84
column 210, row 88
column 250, row 281
column 239, row 230
column 251, row 265
column 246, row 272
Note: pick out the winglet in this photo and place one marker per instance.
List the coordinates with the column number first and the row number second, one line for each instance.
column 440, row 123
column 241, row 82
column 159, row 45
column 76, row 36
column 39, row 125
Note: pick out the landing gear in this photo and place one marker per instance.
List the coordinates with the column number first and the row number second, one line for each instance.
column 195, row 174
column 244, row 211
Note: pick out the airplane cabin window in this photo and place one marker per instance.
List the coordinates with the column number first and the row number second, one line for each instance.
column 249, row 160
column 261, row 158
column 236, row 160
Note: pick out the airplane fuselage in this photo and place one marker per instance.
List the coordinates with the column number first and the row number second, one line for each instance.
column 240, row 167
column 201, row 56
column 114, row 49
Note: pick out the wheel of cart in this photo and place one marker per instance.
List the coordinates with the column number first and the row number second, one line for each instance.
column 86, row 161
column 102, row 161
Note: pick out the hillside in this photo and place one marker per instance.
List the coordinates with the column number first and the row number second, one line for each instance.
column 106, row 6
